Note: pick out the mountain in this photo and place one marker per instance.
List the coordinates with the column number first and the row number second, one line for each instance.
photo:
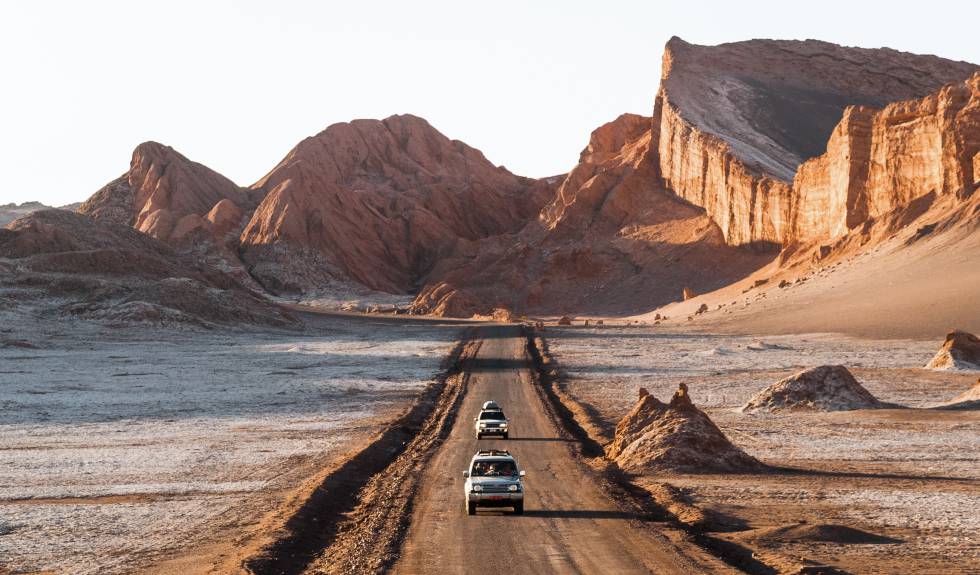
column 169, row 197
column 64, row 264
column 369, row 203
column 612, row 238
column 737, row 120
column 900, row 217
column 378, row 203
column 724, row 175
column 761, row 161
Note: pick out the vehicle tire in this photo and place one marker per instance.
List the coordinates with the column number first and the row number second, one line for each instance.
column 519, row 508
column 470, row 508
column 479, row 436
column 506, row 435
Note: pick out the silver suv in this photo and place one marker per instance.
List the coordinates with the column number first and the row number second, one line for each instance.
column 493, row 480
column 491, row 422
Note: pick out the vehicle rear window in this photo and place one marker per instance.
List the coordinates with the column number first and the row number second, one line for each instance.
column 494, row 469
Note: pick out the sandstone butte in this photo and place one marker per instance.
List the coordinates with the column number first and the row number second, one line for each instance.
column 779, row 143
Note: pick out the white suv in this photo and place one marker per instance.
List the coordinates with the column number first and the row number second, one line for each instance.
column 491, row 422
column 493, row 480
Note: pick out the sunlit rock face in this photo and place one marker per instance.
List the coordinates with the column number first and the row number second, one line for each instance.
column 613, row 240
column 380, row 203
column 167, row 196
column 881, row 160
column 737, row 121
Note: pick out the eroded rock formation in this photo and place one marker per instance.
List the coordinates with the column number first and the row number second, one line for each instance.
column 379, row 202
column 732, row 124
column 165, row 195
column 961, row 350
column 612, row 240
column 678, row 436
column 73, row 265
column 969, row 398
column 878, row 161
column 737, row 120
column 823, row 388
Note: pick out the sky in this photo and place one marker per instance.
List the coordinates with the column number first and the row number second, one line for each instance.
column 235, row 85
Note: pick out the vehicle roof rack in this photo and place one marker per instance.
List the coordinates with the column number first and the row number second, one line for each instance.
column 493, row 452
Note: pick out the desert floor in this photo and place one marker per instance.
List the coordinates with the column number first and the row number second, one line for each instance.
column 911, row 473
column 119, row 446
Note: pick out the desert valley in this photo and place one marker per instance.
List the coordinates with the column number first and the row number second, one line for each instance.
column 737, row 336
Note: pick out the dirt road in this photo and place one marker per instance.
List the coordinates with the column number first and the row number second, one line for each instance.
column 570, row 524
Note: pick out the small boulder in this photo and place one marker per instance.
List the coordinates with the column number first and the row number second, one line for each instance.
column 702, row 309
column 824, row 388
column 502, row 315
column 565, row 320
column 687, row 293
column 961, row 350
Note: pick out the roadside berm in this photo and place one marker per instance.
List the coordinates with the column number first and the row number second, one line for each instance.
column 675, row 436
column 823, row 388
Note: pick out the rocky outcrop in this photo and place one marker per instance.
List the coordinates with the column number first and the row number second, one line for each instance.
column 976, row 169
column 734, row 137
column 613, row 240
column 379, row 203
column 737, row 120
column 678, row 436
column 824, row 388
column 878, row 161
column 961, row 350
column 68, row 264
column 758, row 144
column 165, row 195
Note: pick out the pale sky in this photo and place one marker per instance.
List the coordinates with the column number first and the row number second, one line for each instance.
column 235, row 85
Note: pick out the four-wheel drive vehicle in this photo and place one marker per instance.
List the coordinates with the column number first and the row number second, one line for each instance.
column 493, row 480
column 491, row 422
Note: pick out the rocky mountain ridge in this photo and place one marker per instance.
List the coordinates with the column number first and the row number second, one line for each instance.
column 379, row 202
column 723, row 139
column 757, row 144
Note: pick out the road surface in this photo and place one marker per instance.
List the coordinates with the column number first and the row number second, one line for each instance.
column 569, row 525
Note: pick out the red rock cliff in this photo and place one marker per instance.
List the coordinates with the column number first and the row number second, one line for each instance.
column 737, row 120
column 881, row 160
